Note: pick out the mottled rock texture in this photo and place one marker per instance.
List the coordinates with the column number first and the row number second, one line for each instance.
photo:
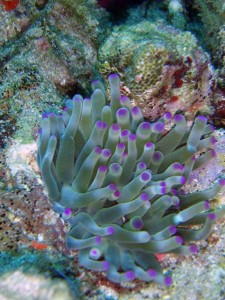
column 162, row 69
column 47, row 51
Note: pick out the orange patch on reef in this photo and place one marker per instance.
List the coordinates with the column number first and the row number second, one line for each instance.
column 10, row 4
column 38, row 246
column 189, row 60
column 178, row 83
column 173, row 99
column 164, row 89
column 196, row 106
column 160, row 256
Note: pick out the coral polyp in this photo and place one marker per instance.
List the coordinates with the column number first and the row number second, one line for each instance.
column 117, row 180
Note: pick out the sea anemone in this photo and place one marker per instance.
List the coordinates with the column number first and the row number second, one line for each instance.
column 117, row 180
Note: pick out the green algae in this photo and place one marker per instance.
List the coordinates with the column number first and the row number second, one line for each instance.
column 141, row 51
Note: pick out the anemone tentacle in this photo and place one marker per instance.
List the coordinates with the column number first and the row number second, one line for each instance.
column 113, row 176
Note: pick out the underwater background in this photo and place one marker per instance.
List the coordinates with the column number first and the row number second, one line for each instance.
column 170, row 56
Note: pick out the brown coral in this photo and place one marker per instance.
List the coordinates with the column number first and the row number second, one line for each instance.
column 26, row 214
column 162, row 69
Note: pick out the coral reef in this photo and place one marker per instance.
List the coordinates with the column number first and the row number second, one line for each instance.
column 221, row 57
column 10, row 5
column 206, row 21
column 26, row 215
column 212, row 14
column 46, row 52
column 176, row 10
column 19, row 285
column 162, row 69
column 117, row 180
column 32, row 236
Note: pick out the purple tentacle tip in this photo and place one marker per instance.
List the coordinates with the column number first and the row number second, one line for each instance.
column 67, row 211
column 112, row 187
column 123, row 98
column 213, row 140
column 163, row 190
column 176, row 201
column 122, row 112
column 95, row 254
column 132, row 137
column 157, row 156
column 106, row 265
column 144, row 197
column 202, row 119
column 168, row 281
column 77, row 98
column 149, row 145
column 115, row 167
column 124, row 133
column 98, row 150
column 130, row 275
column 121, row 146
column 178, row 118
column 152, row 273
column 135, row 110
column 115, row 127
column 173, row 229
column 179, row 240
column 177, row 166
column 45, row 115
column 66, row 109
column 146, row 176
column 182, row 180
column 101, row 124
column 39, row 131
column 213, row 153
column 211, row 216
column 110, row 230
column 146, row 126
column 212, row 127
column 142, row 165
column 193, row 249
column 206, row 205
column 113, row 76
column 102, row 169
column 173, row 191
column 159, row 127
column 106, row 153
column 52, row 115
column 138, row 223
column 222, row 181
column 168, row 115
column 96, row 81
column 117, row 194
column 98, row 240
